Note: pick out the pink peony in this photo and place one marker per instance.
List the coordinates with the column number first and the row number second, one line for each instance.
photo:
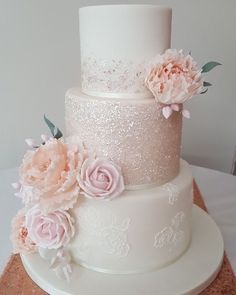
column 19, row 235
column 52, row 230
column 100, row 178
column 48, row 176
column 174, row 78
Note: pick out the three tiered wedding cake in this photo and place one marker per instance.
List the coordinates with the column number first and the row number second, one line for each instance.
column 114, row 195
column 117, row 117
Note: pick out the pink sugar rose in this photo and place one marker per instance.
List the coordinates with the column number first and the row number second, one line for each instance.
column 100, row 178
column 174, row 78
column 48, row 176
column 52, row 230
column 19, row 235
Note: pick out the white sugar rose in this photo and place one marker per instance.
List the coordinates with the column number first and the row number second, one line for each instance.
column 100, row 178
column 52, row 230
column 174, row 78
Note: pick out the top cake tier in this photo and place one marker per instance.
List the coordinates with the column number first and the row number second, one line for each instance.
column 117, row 44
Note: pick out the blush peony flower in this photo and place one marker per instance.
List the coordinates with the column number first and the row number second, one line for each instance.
column 52, row 230
column 101, row 179
column 174, row 78
column 19, row 235
column 48, row 176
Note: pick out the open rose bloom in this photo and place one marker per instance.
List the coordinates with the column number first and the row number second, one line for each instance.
column 48, row 176
column 52, row 230
column 100, row 178
column 174, row 78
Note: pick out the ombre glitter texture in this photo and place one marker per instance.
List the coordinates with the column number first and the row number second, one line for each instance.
column 132, row 133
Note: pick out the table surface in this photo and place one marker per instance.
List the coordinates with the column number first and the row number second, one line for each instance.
column 218, row 190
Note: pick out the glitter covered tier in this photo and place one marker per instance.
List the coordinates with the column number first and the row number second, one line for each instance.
column 132, row 133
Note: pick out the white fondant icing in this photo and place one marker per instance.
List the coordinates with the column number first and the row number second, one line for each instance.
column 172, row 191
column 117, row 42
column 136, row 232
column 171, row 235
column 188, row 275
column 110, row 233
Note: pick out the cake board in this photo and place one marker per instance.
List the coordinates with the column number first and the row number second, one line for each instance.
column 189, row 275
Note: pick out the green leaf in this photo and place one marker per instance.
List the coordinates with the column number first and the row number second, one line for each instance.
column 206, row 84
column 209, row 66
column 50, row 125
column 56, row 132
column 204, row 91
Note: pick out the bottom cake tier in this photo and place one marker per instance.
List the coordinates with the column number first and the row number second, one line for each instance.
column 137, row 232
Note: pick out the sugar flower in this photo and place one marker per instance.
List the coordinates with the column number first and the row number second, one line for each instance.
column 174, row 78
column 100, row 178
column 52, row 230
column 19, row 235
column 48, row 176
column 60, row 261
column 62, row 265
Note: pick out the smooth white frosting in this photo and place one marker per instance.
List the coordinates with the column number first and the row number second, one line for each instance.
column 136, row 232
column 117, row 43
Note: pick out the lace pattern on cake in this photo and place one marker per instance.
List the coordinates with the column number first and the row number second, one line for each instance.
column 172, row 191
column 171, row 235
column 113, row 76
column 110, row 233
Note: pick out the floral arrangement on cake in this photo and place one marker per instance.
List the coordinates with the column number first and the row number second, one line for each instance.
column 53, row 175
column 174, row 78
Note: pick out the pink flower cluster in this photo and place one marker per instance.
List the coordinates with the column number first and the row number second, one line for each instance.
column 173, row 79
column 52, row 177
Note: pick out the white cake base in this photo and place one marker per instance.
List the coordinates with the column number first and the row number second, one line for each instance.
column 190, row 274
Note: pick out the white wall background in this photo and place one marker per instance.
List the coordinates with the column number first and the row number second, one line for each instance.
column 39, row 61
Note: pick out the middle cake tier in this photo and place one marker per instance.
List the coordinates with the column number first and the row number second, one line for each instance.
column 132, row 133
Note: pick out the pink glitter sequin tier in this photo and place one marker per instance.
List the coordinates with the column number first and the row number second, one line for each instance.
column 132, row 133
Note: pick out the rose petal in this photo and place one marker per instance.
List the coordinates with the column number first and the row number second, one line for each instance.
column 44, row 137
column 167, row 111
column 16, row 185
column 186, row 114
column 30, row 142
column 175, row 107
